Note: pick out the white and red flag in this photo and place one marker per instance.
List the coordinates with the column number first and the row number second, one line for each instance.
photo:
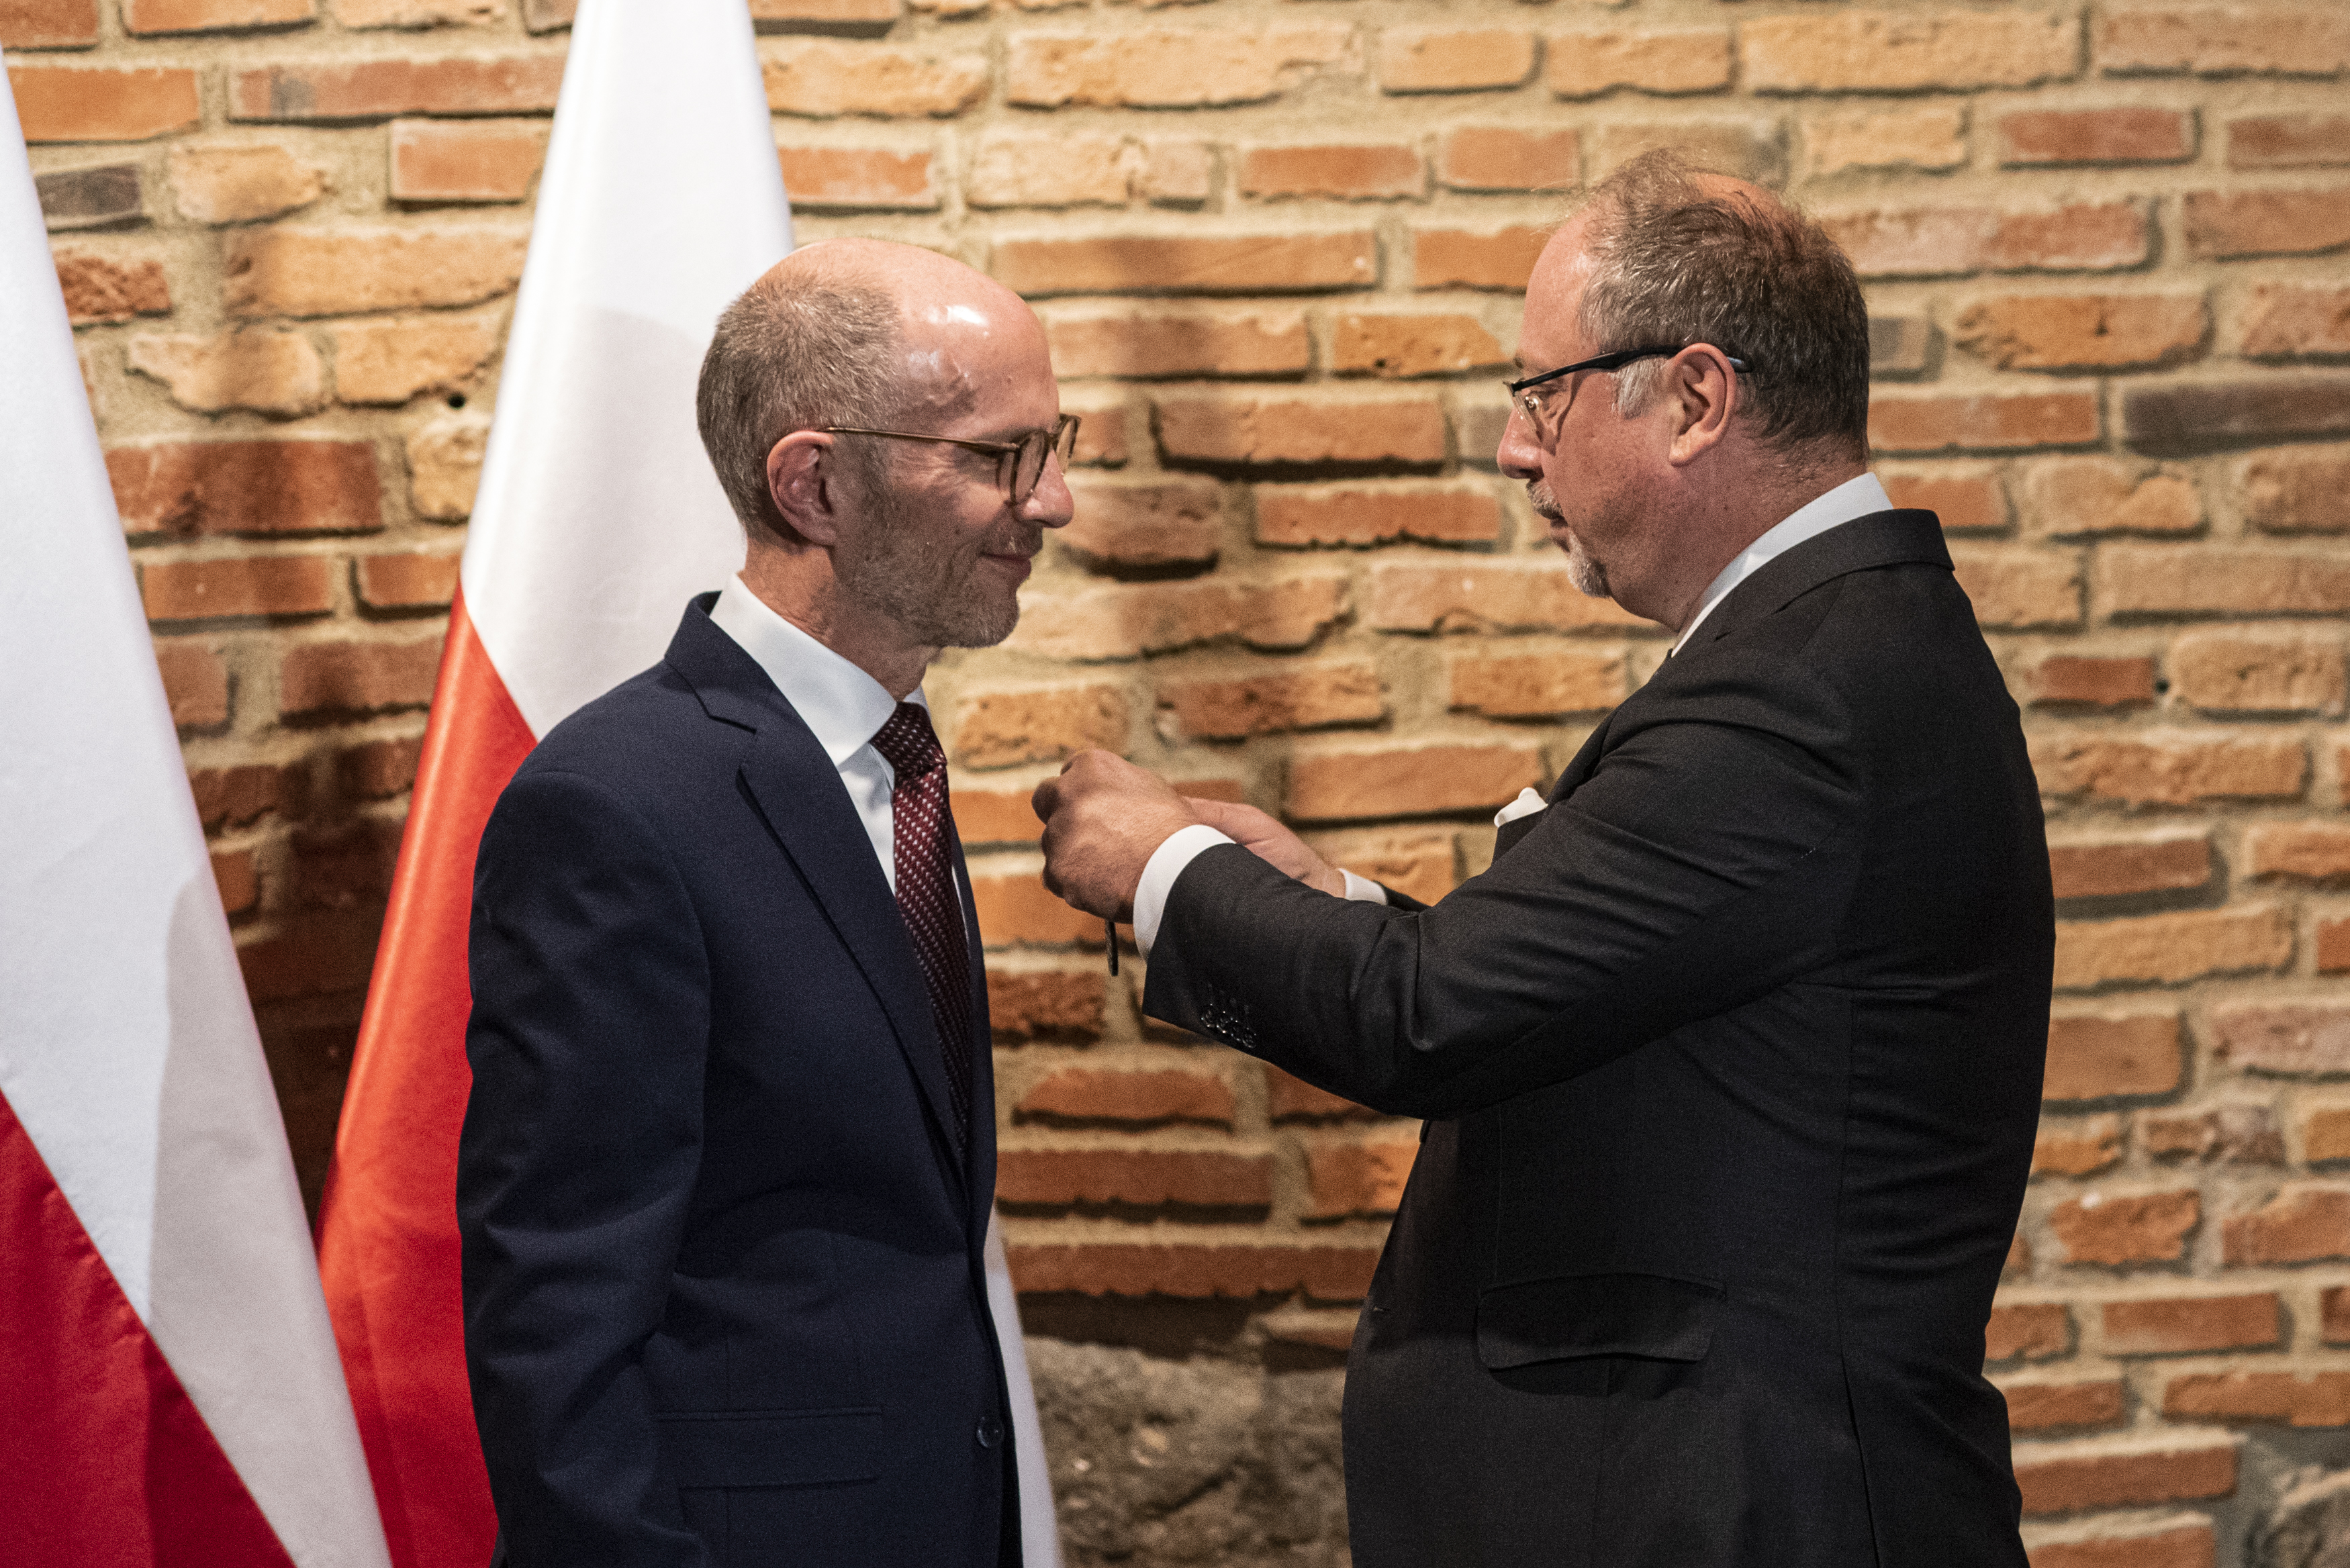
column 598, row 517
column 169, row 1391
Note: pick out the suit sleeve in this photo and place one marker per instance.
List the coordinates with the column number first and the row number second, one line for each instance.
column 1703, row 863
column 576, row 1166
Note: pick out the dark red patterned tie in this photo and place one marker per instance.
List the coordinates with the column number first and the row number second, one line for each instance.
column 926, row 889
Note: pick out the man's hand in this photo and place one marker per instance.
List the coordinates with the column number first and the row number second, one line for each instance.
column 1103, row 817
column 1270, row 842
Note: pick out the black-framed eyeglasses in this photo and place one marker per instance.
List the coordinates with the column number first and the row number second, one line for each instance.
column 1522, row 392
column 1019, row 464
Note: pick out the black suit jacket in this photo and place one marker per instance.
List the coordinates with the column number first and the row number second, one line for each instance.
column 725, row 1300
column 1732, row 1060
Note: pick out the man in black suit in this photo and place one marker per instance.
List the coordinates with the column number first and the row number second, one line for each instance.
column 1729, row 1064
column 727, row 1169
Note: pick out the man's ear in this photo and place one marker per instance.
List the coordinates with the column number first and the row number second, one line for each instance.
column 1705, row 394
column 804, row 481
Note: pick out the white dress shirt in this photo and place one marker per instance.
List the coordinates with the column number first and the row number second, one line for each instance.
column 1853, row 498
column 841, row 705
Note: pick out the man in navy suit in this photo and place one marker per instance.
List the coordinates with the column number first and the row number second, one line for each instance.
column 727, row 1169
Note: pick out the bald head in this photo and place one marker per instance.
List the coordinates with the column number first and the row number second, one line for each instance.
column 851, row 332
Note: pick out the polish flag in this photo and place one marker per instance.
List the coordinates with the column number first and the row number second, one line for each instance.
column 597, row 518
column 169, row 1392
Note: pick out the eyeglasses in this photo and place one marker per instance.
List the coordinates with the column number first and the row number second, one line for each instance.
column 1523, row 394
column 1019, row 465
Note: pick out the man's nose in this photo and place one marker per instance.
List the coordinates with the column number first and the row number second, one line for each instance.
column 1520, row 455
column 1050, row 503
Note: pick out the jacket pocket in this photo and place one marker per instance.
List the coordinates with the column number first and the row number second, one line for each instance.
column 774, row 1448
column 1571, row 1317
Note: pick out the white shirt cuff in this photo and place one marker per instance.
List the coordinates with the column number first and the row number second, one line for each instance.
column 1362, row 889
column 1158, row 873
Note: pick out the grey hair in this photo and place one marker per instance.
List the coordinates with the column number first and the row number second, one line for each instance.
column 794, row 354
column 1675, row 264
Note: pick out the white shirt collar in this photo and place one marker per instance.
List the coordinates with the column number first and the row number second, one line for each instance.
column 841, row 704
column 1853, row 498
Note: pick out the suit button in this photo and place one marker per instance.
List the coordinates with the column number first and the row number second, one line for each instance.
column 991, row 1431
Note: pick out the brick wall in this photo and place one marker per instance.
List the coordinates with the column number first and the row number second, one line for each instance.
column 1277, row 245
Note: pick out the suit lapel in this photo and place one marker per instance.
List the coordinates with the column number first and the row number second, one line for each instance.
column 798, row 792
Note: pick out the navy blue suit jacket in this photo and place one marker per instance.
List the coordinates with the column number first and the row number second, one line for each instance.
column 725, row 1300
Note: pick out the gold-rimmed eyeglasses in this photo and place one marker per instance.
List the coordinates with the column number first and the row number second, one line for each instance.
column 1526, row 396
column 1019, row 464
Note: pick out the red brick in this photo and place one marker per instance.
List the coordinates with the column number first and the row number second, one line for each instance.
column 1503, row 158
column 2081, row 1148
column 1357, row 171
column 2048, row 1406
column 348, row 677
column 1433, row 512
column 1752, row 147
column 1035, row 724
column 195, row 684
column 239, row 881
column 2221, row 672
column 2284, row 1039
column 324, row 91
column 98, row 197
column 444, row 465
column 322, row 956
column 2222, row 224
column 378, row 770
column 2303, row 490
column 2165, row 582
column 2186, row 416
column 2131, row 1227
column 2022, row 589
column 1016, row 910
column 240, row 797
column 1981, row 422
column 992, row 811
column 237, row 586
column 263, row 369
column 1335, row 1272
column 2236, row 1134
column 406, row 580
column 1301, row 430
column 1301, row 697
column 1291, row 1099
column 1128, row 620
column 1463, row 258
column 2092, row 1057
column 2146, row 863
column 2222, row 40
column 2058, row 136
column 250, row 488
column 48, row 24
column 820, row 78
column 239, row 182
column 389, row 359
column 2302, row 1224
column 2075, row 496
column 1164, row 67
column 2283, row 321
column 2333, row 947
column 2083, row 331
column 2169, row 950
column 1423, row 594
column 2169, row 767
column 1969, row 499
column 1150, row 1178
column 2306, row 1399
column 470, row 161
column 1398, row 343
column 1172, row 522
column 1417, row 781
column 99, row 289
column 859, row 179
column 325, row 272
column 1438, row 59
column 347, row 865
column 1549, row 684
column 1325, row 1330
column 2289, row 142
column 1418, row 862
column 1053, row 170
column 1590, row 62
column 1941, row 240
column 1045, row 1005
column 1187, row 264
column 100, row 103
column 2067, row 679
column 1358, row 1178
column 1149, row 344
column 2032, row 1331
column 141, row 16
column 1929, row 138
column 1889, row 51
column 2070, row 1479
column 2325, row 1134
column 1128, row 1098
column 2179, row 1325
